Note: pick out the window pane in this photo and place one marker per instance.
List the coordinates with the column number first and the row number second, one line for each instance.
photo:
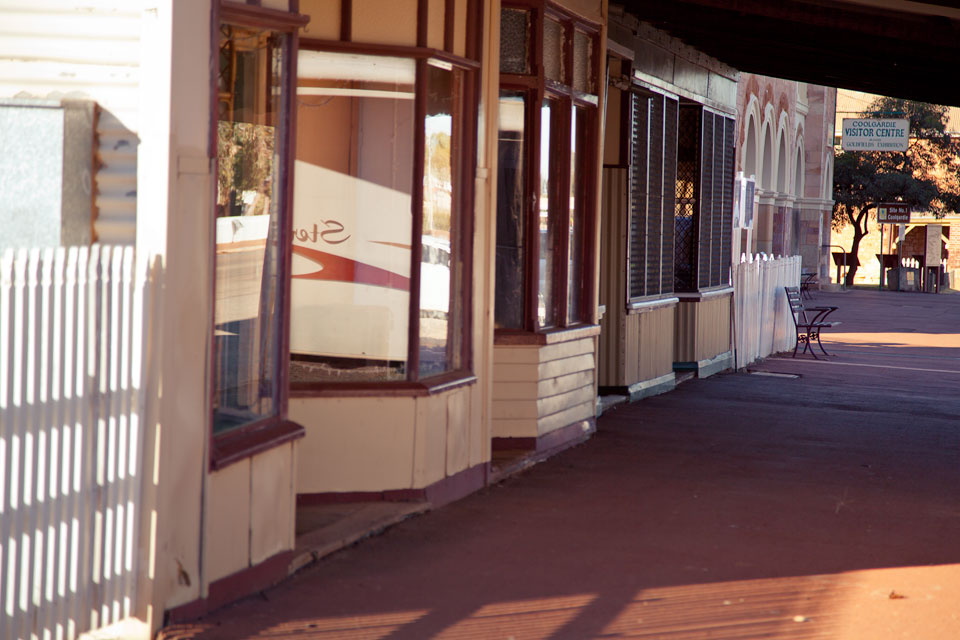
column 577, row 227
column 582, row 62
column 511, row 185
column 352, row 218
column 549, row 229
column 553, row 50
column 514, row 39
column 440, row 315
column 250, row 141
column 688, row 184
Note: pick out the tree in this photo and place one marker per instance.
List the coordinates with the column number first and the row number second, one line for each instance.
column 925, row 176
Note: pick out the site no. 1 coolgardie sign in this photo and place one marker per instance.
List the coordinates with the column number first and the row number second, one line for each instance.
column 893, row 213
column 875, row 134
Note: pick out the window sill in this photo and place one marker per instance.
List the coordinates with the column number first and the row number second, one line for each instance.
column 429, row 387
column 696, row 296
column 642, row 306
column 553, row 336
column 234, row 447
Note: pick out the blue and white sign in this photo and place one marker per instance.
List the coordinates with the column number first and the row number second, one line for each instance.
column 880, row 134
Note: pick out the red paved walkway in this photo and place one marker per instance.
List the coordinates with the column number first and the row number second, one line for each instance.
column 740, row 506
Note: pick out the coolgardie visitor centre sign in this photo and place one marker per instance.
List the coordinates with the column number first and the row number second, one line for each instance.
column 881, row 134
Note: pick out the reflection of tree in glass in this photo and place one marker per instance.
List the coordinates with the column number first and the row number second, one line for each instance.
column 438, row 182
column 245, row 153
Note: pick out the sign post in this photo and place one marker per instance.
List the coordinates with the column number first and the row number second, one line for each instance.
column 892, row 213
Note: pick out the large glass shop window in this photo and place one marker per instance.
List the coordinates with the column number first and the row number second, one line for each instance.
column 353, row 220
column 249, row 205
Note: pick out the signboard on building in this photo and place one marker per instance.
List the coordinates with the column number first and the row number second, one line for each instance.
column 934, row 246
column 875, row 134
column 893, row 213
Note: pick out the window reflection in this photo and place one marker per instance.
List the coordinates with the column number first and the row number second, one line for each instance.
column 575, row 248
column 352, row 217
column 248, row 208
column 546, row 307
column 438, row 344
column 511, row 185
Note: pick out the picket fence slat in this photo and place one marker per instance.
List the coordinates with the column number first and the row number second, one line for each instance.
column 74, row 326
column 762, row 324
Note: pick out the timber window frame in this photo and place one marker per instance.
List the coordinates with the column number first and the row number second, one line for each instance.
column 406, row 374
column 546, row 224
column 269, row 51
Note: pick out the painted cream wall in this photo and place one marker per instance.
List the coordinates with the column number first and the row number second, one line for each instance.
column 539, row 389
column 382, row 444
column 248, row 514
column 703, row 328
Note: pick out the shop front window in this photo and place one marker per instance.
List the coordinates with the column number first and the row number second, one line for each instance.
column 554, row 203
column 250, row 139
column 377, row 290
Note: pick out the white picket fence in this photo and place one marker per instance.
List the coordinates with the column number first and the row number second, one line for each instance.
column 762, row 323
column 73, row 325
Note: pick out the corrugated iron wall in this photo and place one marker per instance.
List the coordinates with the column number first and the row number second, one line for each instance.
column 89, row 50
column 613, row 251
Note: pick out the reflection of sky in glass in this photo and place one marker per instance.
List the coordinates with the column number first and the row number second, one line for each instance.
column 544, row 142
column 441, row 123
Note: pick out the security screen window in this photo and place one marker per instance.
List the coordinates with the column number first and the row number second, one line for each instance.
column 249, row 203
column 361, row 220
column 704, row 205
column 545, row 176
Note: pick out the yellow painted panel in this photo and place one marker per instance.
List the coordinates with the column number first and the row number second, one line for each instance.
column 563, row 401
column 713, row 327
column 516, row 372
column 612, row 366
column 515, row 428
column 430, row 451
column 272, row 513
column 516, row 390
column 512, row 409
column 324, row 19
column 279, row 5
column 435, row 23
column 565, row 418
column 227, row 531
column 385, row 21
column 458, row 430
column 460, row 28
column 566, row 349
column 516, row 355
column 567, row 365
column 562, row 384
column 354, row 444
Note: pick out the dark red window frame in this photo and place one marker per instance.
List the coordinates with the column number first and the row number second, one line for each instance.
column 261, row 435
column 537, row 87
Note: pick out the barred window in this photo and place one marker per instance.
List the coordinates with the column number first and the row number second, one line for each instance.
column 704, row 204
column 653, row 174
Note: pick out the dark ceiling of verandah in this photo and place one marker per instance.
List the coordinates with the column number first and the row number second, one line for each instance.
column 891, row 47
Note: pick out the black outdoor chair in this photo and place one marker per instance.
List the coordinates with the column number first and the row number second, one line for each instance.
column 808, row 321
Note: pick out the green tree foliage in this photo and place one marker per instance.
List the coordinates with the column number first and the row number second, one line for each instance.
column 246, row 154
column 925, row 176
